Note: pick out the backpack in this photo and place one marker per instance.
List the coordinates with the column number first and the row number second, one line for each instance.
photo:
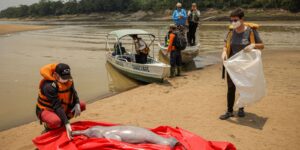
column 180, row 41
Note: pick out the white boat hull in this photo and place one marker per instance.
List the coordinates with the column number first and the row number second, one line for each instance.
column 153, row 72
column 187, row 55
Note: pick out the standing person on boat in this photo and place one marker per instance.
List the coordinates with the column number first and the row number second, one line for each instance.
column 57, row 100
column 193, row 19
column 241, row 36
column 179, row 15
column 175, row 54
column 141, row 48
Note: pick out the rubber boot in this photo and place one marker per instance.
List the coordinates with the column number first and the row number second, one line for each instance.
column 172, row 72
column 178, row 71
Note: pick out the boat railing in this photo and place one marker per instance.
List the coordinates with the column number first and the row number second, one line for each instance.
column 119, row 57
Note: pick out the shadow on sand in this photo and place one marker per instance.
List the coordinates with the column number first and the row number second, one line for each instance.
column 250, row 120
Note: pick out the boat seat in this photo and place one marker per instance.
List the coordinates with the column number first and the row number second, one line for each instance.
column 118, row 49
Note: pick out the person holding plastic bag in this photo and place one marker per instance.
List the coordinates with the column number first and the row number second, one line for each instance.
column 241, row 36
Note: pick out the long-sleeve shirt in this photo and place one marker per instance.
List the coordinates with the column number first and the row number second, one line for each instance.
column 176, row 14
column 50, row 91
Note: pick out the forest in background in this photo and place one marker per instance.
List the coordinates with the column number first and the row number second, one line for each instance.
column 62, row 7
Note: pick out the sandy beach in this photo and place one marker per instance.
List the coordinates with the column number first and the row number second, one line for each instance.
column 9, row 28
column 194, row 102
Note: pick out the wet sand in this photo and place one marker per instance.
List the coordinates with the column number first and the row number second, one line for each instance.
column 8, row 28
column 195, row 101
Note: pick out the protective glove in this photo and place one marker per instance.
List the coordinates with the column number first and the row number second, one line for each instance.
column 69, row 131
column 76, row 110
column 224, row 55
column 249, row 48
column 165, row 52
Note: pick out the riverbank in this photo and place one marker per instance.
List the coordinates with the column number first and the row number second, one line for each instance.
column 194, row 102
column 207, row 15
column 10, row 28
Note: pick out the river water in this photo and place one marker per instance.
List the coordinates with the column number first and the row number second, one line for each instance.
column 82, row 46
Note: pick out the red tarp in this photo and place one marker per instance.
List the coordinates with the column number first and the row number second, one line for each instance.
column 57, row 139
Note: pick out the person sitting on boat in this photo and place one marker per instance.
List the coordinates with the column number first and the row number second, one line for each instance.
column 175, row 54
column 141, row 48
column 193, row 18
column 179, row 15
column 118, row 49
column 57, row 100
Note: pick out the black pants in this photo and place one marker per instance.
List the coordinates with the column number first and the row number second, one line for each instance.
column 175, row 58
column 230, row 94
column 191, row 36
column 141, row 58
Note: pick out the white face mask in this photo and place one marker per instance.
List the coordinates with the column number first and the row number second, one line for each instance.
column 62, row 80
column 236, row 24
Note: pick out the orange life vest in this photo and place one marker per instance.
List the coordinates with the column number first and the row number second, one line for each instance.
column 65, row 92
column 171, row 46
column 253, row 26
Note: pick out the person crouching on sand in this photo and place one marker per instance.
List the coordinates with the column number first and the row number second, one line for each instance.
column 241, row 36
column 57, row 100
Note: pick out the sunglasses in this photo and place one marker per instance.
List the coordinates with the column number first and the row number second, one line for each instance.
column 234, row 20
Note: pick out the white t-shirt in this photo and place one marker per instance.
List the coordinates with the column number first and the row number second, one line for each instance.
column 140, row 44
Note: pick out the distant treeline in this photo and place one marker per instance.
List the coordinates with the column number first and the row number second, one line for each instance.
column 61, row 7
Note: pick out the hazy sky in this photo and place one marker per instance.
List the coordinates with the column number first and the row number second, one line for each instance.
column 8, row 3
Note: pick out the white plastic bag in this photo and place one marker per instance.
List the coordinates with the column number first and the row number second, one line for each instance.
column 246, row 71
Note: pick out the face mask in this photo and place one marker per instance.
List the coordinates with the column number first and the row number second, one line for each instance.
column 62, row 80
column 236, row 24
